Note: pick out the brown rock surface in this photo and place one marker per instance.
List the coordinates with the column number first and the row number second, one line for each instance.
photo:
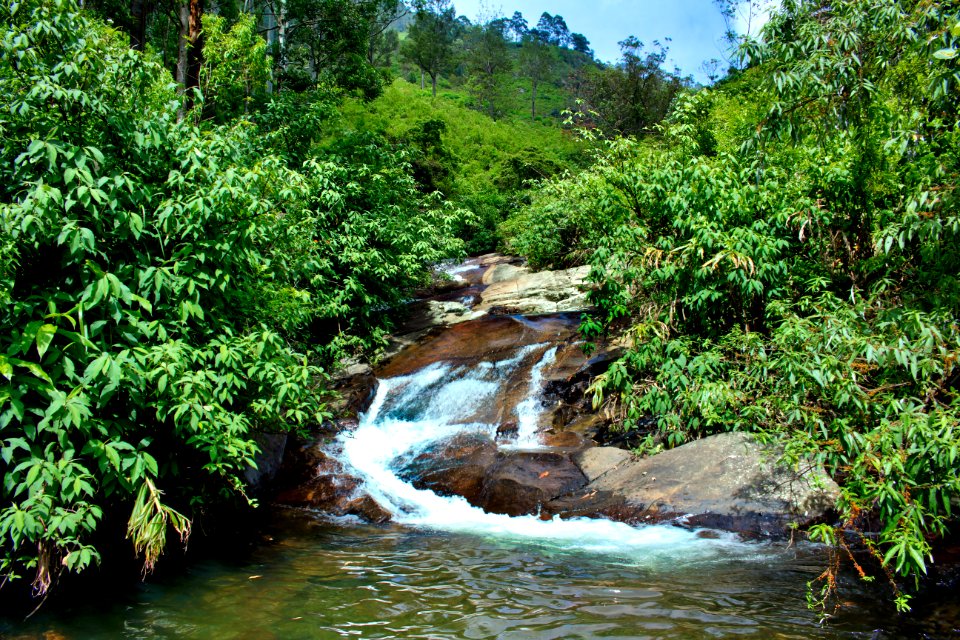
column 521, row 482
column 726, row 481
column 513, row 482
column 456, row 467
column 538, row 293
column 488, row 338
column 320, row 482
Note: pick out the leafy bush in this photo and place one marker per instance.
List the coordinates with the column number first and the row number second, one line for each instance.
column 483, row 166
column 158, row 282
column 800, row 281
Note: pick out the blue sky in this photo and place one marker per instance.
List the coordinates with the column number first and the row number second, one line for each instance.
column 695, row 26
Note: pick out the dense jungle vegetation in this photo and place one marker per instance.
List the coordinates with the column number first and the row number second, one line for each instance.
column 784, row 257
column 205, row 209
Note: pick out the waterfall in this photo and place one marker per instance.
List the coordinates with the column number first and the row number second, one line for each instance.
column 528, row 411
column 412, row 412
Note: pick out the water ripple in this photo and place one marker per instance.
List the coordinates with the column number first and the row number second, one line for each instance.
column 363, row 582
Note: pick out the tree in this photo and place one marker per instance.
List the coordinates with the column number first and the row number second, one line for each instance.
column 553, row 29
column 635, row 94
column 579, row 42
column 537, row 64
column 381, row 39
column 518, row 26
column 190, row 49
column 487, row 60
column 742, row 20
column 236, row 67
column 330, row 40
column 430, row 39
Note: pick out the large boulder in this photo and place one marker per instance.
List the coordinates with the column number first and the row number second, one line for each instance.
column 454, row 467
column 538, row 293
column 504, row 272
column 508, row 481
column 726, row 481
column 316, row 480
column 522, row 482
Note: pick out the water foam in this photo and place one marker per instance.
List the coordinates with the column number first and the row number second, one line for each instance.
column 411, row 413
column 529, row 411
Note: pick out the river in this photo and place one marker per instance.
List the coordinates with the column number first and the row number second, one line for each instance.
column 445, row 569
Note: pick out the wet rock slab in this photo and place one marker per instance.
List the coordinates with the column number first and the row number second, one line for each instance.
column 506, row 481
column 727, row 481
column 318, row 481
column 489, row 338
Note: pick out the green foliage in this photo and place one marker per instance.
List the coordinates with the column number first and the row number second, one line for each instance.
column 430, row 38
column 791, row 268
column 158, row 280
column 488, row 60
column 326, row 43
column 376, row 234
column 632, row 97
column 236, row 68
column 483, row 166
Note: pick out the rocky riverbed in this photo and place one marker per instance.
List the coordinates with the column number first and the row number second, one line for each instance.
column 491, row 307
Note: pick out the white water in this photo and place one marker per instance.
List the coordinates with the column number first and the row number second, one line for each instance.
column 453, row 270
column 411, row 413
column 528, row 411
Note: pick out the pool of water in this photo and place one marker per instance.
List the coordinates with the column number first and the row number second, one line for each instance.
column 318, row 578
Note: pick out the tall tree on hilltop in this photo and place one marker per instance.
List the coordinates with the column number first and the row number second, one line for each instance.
column 518, row 26
column 536, row 63
column 487, row 60
column 554, row 29
column 429, row 43
column 579, row 42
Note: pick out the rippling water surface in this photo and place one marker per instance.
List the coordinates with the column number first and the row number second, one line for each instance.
column 322, row 580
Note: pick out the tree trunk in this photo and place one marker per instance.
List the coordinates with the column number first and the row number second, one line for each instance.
column 182, row 44
column 433, row 80
column 195, row 49
column 281, row 19
column 138, row 24
column 190, row 50
column 422, row 85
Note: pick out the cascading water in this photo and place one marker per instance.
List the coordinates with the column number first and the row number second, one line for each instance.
column 528, row 411
column 412, row 412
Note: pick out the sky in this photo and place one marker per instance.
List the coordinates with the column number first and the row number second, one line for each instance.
column 695, row 26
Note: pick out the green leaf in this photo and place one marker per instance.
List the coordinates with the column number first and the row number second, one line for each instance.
column 45, row 337
column 945, row 54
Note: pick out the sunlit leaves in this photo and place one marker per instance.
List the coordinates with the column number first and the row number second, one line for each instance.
column 806, row 286
column 158, row 280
